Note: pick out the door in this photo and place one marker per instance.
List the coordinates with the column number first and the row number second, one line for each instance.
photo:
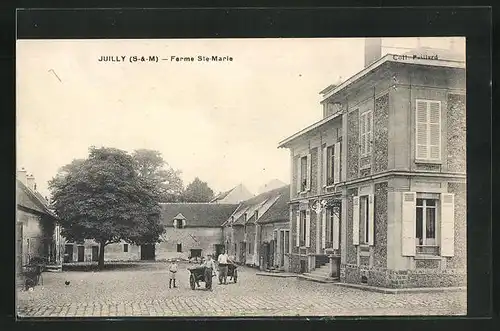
column 219, row 249
column 95, row 253
column 243, row 249
column 81, row 253
column 68, row 253
column 19, row 256
column 148, row 252
column 271, row 253
column 282, row 249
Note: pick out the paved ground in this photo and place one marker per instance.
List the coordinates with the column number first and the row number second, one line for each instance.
column 142, row 290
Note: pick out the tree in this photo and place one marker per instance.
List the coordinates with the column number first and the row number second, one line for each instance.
column 198, row 191
column 103, row 198
column 166, row 182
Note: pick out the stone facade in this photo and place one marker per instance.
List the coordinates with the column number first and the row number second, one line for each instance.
column 456, row 133
column 459, row 261
column 352, row 144
column 380, row 244
column 350, row 248
column 381, row 134
column 314, row 173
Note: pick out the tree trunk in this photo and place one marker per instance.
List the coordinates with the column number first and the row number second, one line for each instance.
column 101, row 256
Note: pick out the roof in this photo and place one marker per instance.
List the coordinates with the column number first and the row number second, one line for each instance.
column 32, row 200
column 235, row 195
column 196, row 214
column 222, row 195
column 279, row 210
column 446, row 59
column 260, row 203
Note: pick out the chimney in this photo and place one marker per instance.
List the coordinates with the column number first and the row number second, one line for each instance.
column 373, row 50
column 30, row 182
column 21, row 175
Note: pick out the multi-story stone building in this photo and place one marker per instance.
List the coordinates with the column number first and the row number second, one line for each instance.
column 379, row 183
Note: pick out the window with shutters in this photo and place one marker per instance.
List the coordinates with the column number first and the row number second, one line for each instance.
column 426, row 226
column 302, row 228
column 303, row 173
column 330, row 164
column 365, row 131
column 428, row 130
column 364, row 219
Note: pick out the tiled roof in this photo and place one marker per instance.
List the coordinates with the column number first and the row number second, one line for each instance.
column 222, row 195
column 279, row 211
column 31, row 200
column 259, row 201
column 197, row 214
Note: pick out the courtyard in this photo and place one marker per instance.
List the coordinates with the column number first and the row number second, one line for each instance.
column 141, row 289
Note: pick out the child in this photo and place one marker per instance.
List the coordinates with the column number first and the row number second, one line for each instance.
column 173, row 271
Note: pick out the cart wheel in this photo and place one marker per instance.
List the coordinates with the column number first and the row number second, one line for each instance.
column 191, row 281
column 235, row 275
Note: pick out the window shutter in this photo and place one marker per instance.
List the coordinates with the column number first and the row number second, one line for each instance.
column 368, row 135
column 355, row 221
column 336, row 166
column 323, row 228
column 409, row 204
column 308, row 228
column 421, row 136
column 447, row 224
column 309, row 171
column 298, row 228
column 325, row 165
column 435, row 130
column 371, row 221
column 335, row 239
column 183, row 223
column 299, row 175
column 362, row 133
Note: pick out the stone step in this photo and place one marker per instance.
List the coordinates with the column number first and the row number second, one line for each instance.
column 318, row 279
column 323, row 273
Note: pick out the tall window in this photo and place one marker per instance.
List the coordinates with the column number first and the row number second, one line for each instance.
column 125, row 248
column 428, row 130
column 179, row 248
column 330, row 164
column 287, row 242
column 365, row 129
column 329, row 226
column 364, row 218
column 303, row 173
column 302, row 227
column 426, row 223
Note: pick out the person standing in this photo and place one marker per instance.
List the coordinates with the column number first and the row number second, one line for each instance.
column 209, row 270
column 223, row 266
column 173, row 271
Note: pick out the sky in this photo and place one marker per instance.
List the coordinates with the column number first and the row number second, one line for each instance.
column 219, row 121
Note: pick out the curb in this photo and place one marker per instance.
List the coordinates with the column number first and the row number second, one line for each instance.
column 275, row 274
column 402, row 290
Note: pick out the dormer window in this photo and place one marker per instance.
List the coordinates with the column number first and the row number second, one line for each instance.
column 178, row 224
column 179, row 221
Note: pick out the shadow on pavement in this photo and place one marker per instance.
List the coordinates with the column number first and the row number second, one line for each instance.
column 108, row 266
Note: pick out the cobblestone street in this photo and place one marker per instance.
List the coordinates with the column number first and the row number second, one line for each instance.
column 142, row 290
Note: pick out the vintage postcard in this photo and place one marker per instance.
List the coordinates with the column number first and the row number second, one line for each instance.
column 241, row 177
